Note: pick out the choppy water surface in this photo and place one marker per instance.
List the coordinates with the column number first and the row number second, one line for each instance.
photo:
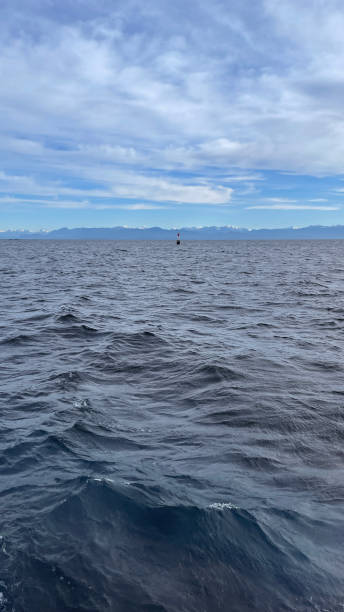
column 172, row 426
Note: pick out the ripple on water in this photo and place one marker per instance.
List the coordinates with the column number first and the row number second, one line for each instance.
column 172, row 427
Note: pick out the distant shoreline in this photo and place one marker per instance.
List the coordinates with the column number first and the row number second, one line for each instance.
column 296, row 239
column 313, row 232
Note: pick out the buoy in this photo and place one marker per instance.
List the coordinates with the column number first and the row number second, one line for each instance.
column 178, row 238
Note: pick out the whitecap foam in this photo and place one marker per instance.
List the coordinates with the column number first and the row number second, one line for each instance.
column 103, row 480
column 82, row 403
column 223, row 506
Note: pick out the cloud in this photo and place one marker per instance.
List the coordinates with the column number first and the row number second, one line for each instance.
column 122, row 185
column 280, row 200
column 291, row 207
column 50, row 203
column 131, row 101
column 161, row 190
column 244, row 178
column 140, row 207
column 75, row 204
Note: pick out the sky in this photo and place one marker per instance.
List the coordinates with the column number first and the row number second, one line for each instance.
column 171, row 113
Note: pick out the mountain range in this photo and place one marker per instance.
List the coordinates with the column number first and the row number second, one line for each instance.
column 187, row 233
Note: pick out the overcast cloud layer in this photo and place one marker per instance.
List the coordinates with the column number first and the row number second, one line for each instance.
column 171, row 112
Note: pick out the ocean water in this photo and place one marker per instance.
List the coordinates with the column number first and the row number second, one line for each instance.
column 172, row 426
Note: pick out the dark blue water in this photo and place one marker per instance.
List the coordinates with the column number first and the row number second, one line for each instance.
column 172, row 426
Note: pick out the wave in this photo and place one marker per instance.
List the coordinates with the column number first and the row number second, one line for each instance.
column 172, row 428
column 105, row 546
column 19, row 339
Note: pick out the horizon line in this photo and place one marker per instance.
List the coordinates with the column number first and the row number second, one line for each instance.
column 170, row 229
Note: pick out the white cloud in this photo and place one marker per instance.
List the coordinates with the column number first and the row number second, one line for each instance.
column 140, row 207
column 50, row 203
column 244, row 178
column 291, row 207
column 75, row 204
column 132, row 102
column 160, row 190
column 280, row 200
column 116, row 184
